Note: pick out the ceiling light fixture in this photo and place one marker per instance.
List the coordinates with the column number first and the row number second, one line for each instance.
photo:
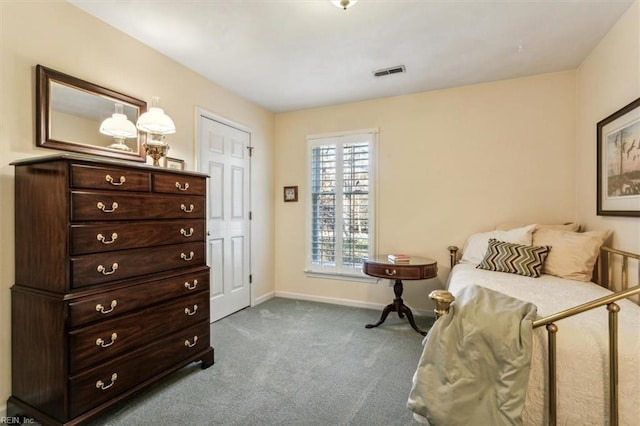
column 344, row 4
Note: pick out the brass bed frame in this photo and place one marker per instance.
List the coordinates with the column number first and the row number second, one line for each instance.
column 604, row 275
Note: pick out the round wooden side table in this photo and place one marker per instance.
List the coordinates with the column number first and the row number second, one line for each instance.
column 417, row 268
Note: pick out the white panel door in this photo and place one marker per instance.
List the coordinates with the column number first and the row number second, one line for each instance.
column 223, row 154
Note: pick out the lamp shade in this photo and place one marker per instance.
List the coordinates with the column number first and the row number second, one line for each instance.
column 156, row 121
column 118, row 125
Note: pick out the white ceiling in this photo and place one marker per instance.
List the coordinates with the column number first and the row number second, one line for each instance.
column 293, row 54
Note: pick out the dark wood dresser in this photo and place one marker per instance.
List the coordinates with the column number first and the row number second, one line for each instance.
column 112, row 283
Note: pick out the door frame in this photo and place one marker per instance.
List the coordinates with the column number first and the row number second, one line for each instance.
column 199, row 111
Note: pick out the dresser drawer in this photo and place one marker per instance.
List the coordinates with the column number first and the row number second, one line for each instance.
column 119, row 236
column 124, row 300
column 179, row 184
column 100, row 384
column 106, row 339
column 124, row 206
column 92, row 177
column 100, row 268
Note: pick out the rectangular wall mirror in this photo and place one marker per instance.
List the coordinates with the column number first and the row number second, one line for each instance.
column 70, row 112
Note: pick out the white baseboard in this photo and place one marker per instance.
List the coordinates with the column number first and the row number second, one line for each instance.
column 347, row 302
column 263, row 298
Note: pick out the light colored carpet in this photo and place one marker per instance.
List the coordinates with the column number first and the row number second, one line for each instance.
column 290, row 362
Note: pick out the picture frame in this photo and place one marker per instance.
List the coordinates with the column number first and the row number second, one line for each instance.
column 174, row 163
column 618, row 162
column 290, row 194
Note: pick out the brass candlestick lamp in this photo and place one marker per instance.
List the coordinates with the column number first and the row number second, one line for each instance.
column 157, row 124
column 156, row 151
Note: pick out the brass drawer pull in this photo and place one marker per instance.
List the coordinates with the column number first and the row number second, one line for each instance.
column 187, row 209
column 104, row 208
column 189, row 344
column 100, row 342
column 100, row 308
column 190, row 312
column 109, row 179
column 191, row 286
column 182, row 188
column 104, row 240
column 388, row 272
column 185, row 257
column 186, row 233
column 100, row 383
column 104, row 271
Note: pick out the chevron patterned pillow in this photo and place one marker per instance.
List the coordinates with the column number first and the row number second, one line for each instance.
column 514, row 258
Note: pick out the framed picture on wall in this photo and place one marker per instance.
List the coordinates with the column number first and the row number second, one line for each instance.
column 290, row 193
column 618, row 162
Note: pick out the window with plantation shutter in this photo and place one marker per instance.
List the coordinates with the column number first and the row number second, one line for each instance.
column 341, row 204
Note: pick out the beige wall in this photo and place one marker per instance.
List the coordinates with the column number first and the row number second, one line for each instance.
column 451, row 163
column 606, row 81
column 62, row 37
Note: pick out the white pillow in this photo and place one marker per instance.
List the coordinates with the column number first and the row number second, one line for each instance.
column 477, row 244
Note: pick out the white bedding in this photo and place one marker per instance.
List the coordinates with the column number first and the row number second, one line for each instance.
column 582, row 344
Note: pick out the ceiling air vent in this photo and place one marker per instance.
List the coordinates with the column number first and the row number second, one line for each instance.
column 388, row 71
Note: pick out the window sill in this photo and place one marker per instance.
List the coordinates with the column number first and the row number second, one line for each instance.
column 341, row 276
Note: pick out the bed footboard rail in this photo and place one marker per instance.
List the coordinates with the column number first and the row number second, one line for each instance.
column 605, row 276
column 552, row 329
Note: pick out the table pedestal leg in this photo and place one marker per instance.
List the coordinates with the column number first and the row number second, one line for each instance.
column 399, row 307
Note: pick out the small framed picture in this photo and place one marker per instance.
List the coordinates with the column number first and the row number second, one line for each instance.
column 174, row 163
column 290, row 193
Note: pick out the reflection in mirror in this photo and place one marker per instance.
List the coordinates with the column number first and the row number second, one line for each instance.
column 76, row 115
column 119, row 127
column 72, row 115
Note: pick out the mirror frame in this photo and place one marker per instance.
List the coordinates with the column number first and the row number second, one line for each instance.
column 44, row 77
